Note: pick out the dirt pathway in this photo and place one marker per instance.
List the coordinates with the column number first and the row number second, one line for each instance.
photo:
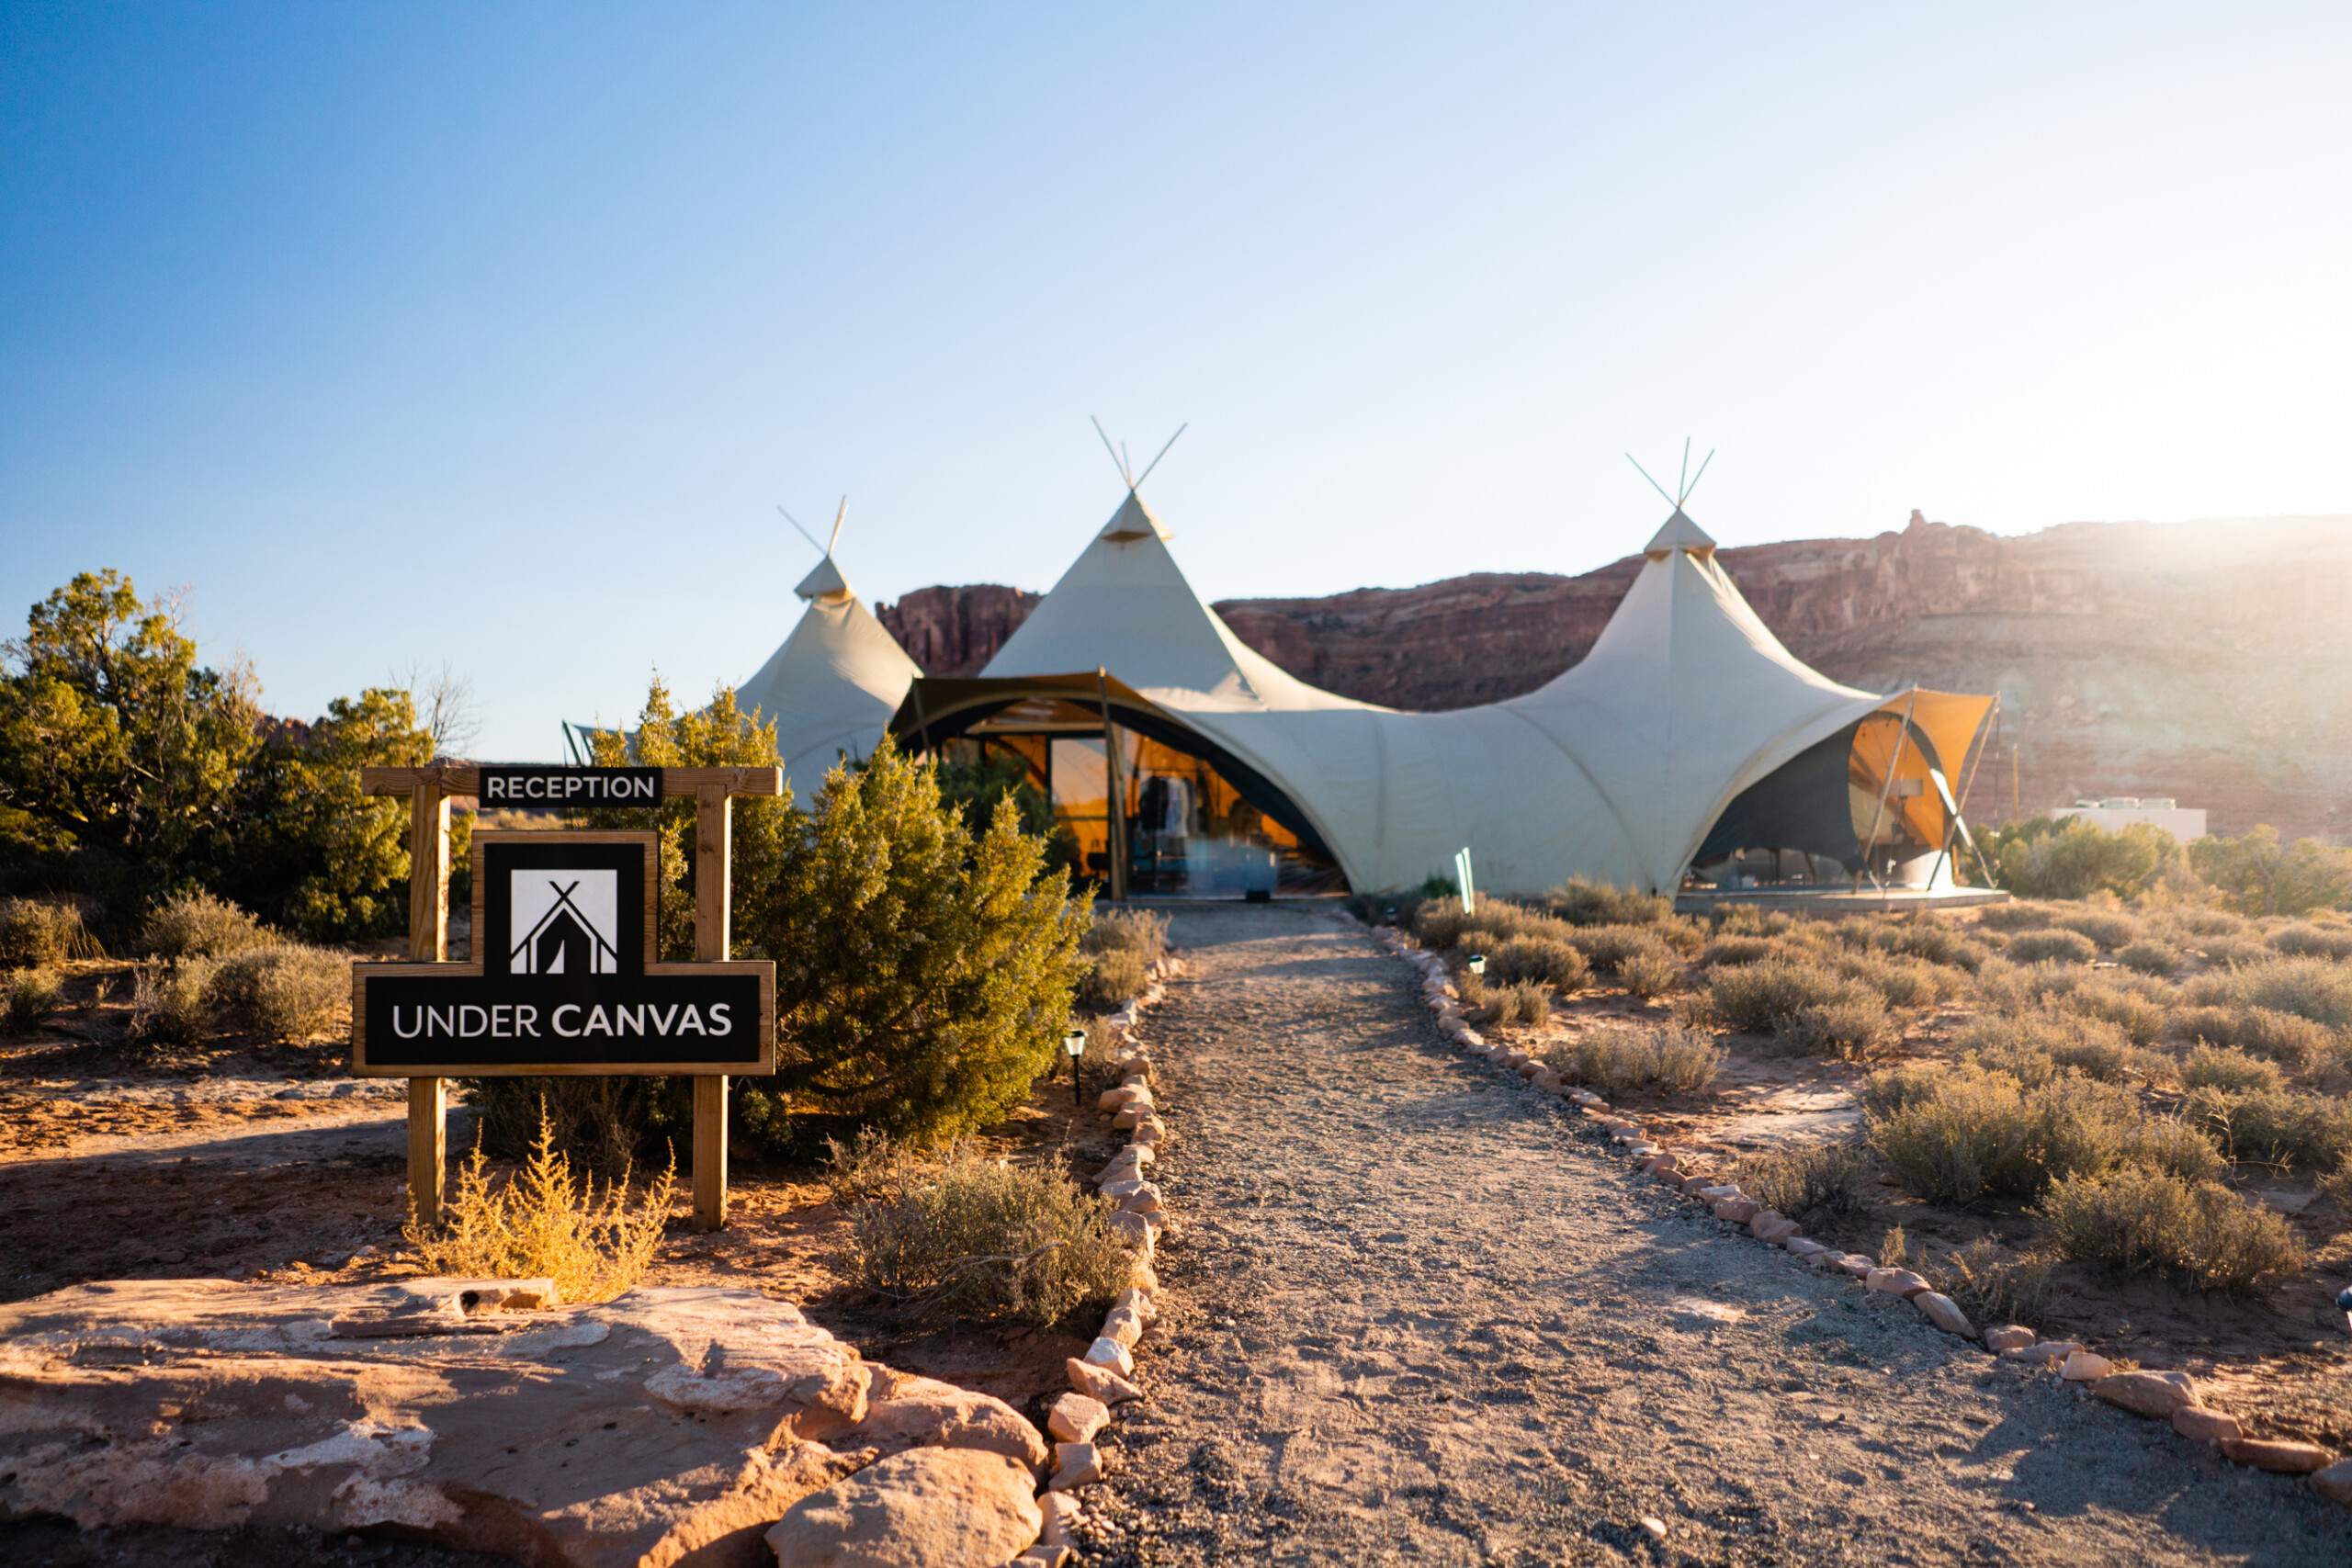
column 1421, row 1315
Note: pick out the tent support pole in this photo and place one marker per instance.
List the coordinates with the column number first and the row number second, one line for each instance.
column 1960, row 813
column 1115, row 806
column 1870, row 845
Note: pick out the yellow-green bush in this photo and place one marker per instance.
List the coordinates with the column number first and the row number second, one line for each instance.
column 28, row 999
column 1539, row 960
column 197, row 925
column 1582, row 903
column 1973, row 1134
column 2231, row 1071
column 35, row 933
column 2052, row 946
column 2148, row 1221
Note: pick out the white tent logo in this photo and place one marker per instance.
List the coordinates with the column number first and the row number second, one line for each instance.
column 564, row 922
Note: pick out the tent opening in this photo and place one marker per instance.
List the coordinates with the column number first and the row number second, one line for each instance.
column 1194, row 822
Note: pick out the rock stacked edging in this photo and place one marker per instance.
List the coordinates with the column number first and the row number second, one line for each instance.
column 1104, row 1378
column 2169, row 1397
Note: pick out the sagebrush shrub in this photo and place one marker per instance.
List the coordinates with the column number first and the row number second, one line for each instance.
column 1618, row 1056
column 2018, row 915
column 1582, row 903
column 2285, row 1037
column 2187, row 922
column 2316, row 988
column 1893, row 1088
column 285, row 990
column 540, row 1222
column 1140, row 932
column 2052, row 946
column 1757, row 998
column 2150, row 957
column 1746, row 920
column 1526, row 1001
column 1828, row 1180
column 975, row 1238
column 1730, row 952
column 2231, row 1071
column 1111, row 979
column 1992, row 1284
column 2142, row 1017
column 2104, row 927
column 2163, row 1143
column 197, row 925
column 28, row 998
column 2303, row 939
column 1648, row 975
column 2274, row 1127
column 172, row 1003
column 1607, row 948
column 1853, row 1028
column 1539, row 960
column 1901, row 982
column 2034, row 1048
column 2336, row 1187
column 2148, row 1221
column 1973, row 1134
column 38, row 932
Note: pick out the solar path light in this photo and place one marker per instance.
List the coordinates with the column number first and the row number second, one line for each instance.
column 1074, row 1042
column 1478, row 963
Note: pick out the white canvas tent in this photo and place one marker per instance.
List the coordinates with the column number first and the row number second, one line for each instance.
column 832, row 685
column 1614, row 770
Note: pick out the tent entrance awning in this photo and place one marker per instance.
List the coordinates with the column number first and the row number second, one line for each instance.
column 942, row 708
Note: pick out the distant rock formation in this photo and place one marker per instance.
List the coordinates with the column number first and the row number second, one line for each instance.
column 2205, row 660
column 954, row 631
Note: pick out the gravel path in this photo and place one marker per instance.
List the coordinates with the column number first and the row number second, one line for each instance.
column 1418, row 1315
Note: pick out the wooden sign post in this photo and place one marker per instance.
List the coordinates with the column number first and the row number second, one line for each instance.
column 568, row 995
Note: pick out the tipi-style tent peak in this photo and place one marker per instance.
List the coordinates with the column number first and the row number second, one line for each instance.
column 1132, row 522
column 1679, row 532
column 824, row 584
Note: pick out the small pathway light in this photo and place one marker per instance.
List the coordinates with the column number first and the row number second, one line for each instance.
column 1074, row 1042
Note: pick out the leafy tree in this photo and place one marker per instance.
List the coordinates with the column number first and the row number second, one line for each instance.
column 120, row 757
column 923, row 972
column 2068, row 858
column 2255, row 876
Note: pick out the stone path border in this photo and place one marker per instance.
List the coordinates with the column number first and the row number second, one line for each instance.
column 2167, row 1396
column 1104, row 1378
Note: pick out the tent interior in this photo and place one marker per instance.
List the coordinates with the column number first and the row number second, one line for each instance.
column 1897, row 821
column 1195, row 821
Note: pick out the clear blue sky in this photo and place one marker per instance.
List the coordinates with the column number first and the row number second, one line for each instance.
column 491, row 333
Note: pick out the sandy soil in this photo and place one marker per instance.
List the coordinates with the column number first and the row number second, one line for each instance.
column 1421, row 1315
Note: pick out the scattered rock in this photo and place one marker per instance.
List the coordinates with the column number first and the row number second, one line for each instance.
column 1107, row 1352
column 1125, row 1325
column 926, row 1509
column 2009, row 1337
column 1652, row 1527
column 2048, row 1350
column 1075, row 1464
column 2204, row 1425
column 2280, row 1456
column 903, row 1411
column 1099, row 1383
column 2083, row 1366
column 1144, row 1199
column 1944, row 1313
column 1075, row 1418
column 1061, row 1511
column 1859, row 1267
column 1804, row 1247
column 2153, row 1394
column 2335, row 1482
column 1738, row 1211
column 1895, row 1282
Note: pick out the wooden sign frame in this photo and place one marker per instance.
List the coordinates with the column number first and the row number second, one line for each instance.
column 361, row 974
column 430, row 790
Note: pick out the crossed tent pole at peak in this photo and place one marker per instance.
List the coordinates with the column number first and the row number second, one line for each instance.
column 1683, row 486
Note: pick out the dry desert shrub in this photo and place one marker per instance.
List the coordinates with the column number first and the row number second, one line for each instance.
column 1746, row 920
column 1893, row 1088
column 28, row 999
column 2304, row 940
column 1541, row 961
column 172, row 1003
column 2104, row 927
column 2336, row 1188
column 197, row 925
column 541, row 1223
column 2051, row 946
column 2149, row 956
column 2186, row 925
column 1900, row 982
column 2141, row 1220
column 1760, row 998
column 1933, row 939
column 1114, row 976
column 1524, row 1001
column 1607, row 947
column 1852, row 1030
column 2237, row 952
column 2316, row 988
column 2142, row 1017
column 2284, row 1037
column 1139, row 932
column 1582, row 903
column 285, row 991
column 1828, row 1180
column 1648, row 975
column 2035, row 1047
column 38, row 932
column 2231, row 1071
column 867, row 1167
column 1618, row 1056
column 1731, row 952
column 2021, row 916
column 2274, row 1127
column 970, row 1237
column 1992, row 1284
column 1971, row 1134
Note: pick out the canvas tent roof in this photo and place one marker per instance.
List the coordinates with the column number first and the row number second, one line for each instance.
column 832, row 685
column 1613, row 771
